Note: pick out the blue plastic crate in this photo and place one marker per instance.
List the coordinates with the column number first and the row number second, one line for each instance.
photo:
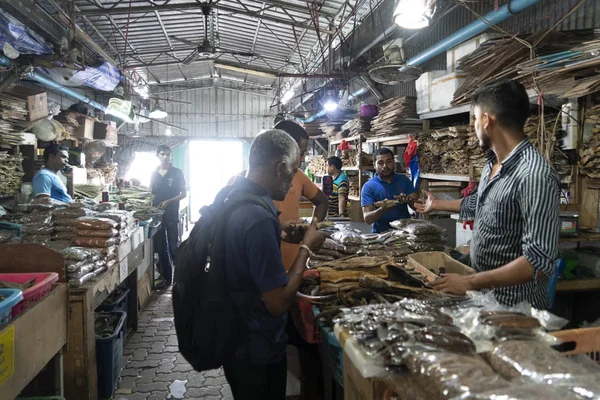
column 12, row 298
column 109, row 357
column 332, row 350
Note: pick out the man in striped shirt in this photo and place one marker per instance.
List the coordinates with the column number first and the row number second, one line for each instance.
column 515, row 208
column 339, row 196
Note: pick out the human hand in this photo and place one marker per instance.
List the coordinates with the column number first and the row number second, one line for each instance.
column 452, row 284
column 292, row 231
column 425, row 206
column 164, row 204
column 314, row 239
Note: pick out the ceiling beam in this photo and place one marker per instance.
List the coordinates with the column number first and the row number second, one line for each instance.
column 195, row 6
column 297, row 7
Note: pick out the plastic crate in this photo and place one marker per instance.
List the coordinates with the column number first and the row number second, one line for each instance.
column 580, row 341
column 332, row 350
column 304, row 320
column 116, row 304
column 109, row 357
column 43, row 286
column 12, row 297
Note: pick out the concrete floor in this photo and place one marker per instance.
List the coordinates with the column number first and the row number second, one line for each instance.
column 153, row 369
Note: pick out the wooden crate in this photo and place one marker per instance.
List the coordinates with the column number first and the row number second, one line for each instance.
column 424, row 262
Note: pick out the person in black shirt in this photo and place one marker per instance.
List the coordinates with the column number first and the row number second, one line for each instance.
column 168, row 188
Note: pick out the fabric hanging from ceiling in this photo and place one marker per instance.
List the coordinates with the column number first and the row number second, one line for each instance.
column 24, row 40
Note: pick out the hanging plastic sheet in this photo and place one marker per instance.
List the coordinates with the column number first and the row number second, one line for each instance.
column 415, row 171
column 105, row 77
column 20, row 37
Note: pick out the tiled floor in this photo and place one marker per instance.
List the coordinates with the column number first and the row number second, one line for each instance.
column 152, row 367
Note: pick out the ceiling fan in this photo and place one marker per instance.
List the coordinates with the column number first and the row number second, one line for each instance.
column 206, row 49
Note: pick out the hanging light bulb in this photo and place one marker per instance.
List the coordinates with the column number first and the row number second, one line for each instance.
column 158, row 112
column 414, row 14
column 330, row 101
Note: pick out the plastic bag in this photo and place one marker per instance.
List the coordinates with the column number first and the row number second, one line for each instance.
column 37, row 239
column 65, row 221
column 74, row 213
column 77, row 282
column 103, row 207
column 94, row 241
column 63, row 235
column 39, row 217
column 75, row 253
column 102, row 251
column 105, row 233
column 403, row 223
column 95, row 223
column 6, row 236
column 43, row 203
column 424, row 229
column 81, row 271
column 524, row 392
column 444, row 375
column 111, row 263
column 37, row 229
column 348, row 238
column 120, row 216
column 72, row 266
column 64, row 228
column 535, row 361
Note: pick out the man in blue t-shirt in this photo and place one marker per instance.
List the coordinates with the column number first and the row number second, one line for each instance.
column 258, row 284
column 386, row 185
column 46, row 183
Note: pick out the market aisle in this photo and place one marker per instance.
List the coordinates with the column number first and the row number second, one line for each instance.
column 152, row 367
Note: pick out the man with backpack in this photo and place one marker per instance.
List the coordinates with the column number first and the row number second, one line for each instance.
column 231, row 310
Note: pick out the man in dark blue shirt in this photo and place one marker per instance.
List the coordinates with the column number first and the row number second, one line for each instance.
column 386, row 185
column 259, row 286
column 168, row 188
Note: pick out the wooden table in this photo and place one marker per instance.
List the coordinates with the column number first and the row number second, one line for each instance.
column 80, row 372
column 578, row 285
column 39, row 334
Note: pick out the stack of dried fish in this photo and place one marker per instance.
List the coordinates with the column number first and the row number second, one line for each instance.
column 365, row 159
column 12, row 110
column 83, row 191
column 343, row 274
column 317, row 165
column 333, row 129
column 349, row 158
column 138, row 200
column 396, row 116
column 450, row 150
column 11, row 172
column 589, row 153
column 358, row 126
column 353, row 187
column 562, row 64
column 69, row 121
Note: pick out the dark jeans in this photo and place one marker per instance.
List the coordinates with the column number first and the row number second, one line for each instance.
column 312, row 385
column 256, row 382
column 165, row 244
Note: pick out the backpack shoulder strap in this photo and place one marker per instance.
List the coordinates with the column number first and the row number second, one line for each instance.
column 241, row 198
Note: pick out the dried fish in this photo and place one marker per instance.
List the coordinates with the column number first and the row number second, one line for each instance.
column 11, row 172
column 15, row 285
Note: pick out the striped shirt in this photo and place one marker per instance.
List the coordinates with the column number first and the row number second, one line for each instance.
column 516, row 214
column 340, row 187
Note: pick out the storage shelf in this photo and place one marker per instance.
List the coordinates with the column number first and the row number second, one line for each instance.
column 348, row 139
column 447, row 177
column 354, row 198
column 391, row 140
column 447, row 112
column 357, row 169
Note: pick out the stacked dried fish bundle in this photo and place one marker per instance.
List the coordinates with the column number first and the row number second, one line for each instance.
column 358, row 126
column 366, row 159
column 333, row 129
column 349, row 158
column 317, row 165
column 342, row 275
column 11, row 172
column 12, row 110
column 589, row 155
column 84, row 191
column 84, row 264
column 396, row 116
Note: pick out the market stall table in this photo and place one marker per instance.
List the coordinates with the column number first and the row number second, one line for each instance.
column 31, row 341
column 80, row 372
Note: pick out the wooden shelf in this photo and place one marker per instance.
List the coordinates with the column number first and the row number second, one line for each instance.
column 391, row 140
column 447, row 112
column 348, row 139
column 358, row 169
column 582, row 237
column 578, row 285
column 447, row 177
column 354, row 198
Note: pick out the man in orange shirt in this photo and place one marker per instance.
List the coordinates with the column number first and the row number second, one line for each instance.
column 302, row 186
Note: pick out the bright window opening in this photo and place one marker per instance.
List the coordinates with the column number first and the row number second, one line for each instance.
column 144, row 163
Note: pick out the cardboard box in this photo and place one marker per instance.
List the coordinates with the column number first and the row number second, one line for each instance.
column 103, row 131
column 358, row 388
column 124, row 249
column 86, row 127
column 443, row 88
column 423, row 86
column 424, row 262
column 454, row 55
column 137, row 237
column 37, row 102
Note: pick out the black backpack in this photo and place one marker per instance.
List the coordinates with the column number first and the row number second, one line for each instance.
column 209, row 329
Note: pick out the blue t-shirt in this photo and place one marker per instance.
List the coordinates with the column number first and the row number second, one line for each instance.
column 254, row 265
column 47, row 182
column 377, row 190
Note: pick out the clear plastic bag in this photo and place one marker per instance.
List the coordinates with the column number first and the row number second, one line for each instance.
column 524, row 392
column 74, row 213
column 403, row 223
column 72, row 266
column 120, row 216
column 63, row 236
column 76, row 253
column 37, row 217
column 348, row 238
column 535, row 361
column 65, row 221
column 95, row 223
column 94, row 241
column 37, row 229
column 43, row 203
column 65, row 228
column 37, row 239
column 6, row 236
column 105, row 233
column 444, row 375
column 424, row 229
column 81, row 271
